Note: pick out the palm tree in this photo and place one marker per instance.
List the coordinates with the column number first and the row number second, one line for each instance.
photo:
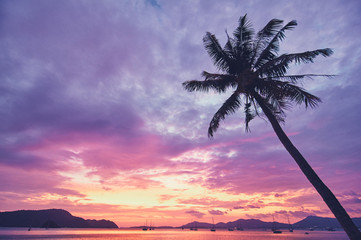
column 250, row 65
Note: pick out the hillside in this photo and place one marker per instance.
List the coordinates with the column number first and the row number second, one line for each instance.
column 244, row 223
column 322, row 222
column 308, row 222
column 49, row 218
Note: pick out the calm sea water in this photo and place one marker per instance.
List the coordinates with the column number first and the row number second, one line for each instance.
column 162, row 234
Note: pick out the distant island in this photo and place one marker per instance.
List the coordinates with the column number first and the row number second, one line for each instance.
column 310, row 222
column 50, row 218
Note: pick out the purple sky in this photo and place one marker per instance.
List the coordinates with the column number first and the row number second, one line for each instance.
column 94, row 119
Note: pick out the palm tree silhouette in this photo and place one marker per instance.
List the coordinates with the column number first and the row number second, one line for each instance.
column 249, row 64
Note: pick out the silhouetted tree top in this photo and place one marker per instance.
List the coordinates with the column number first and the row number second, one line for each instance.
column 250, row 65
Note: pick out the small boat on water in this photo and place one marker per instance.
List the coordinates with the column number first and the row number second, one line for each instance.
column 145, row 227
column 290, row 228
column 331, row 229
column 274, row 229
column 150, row 226
column 239, row 228
column 213, row 228
column 194, row 227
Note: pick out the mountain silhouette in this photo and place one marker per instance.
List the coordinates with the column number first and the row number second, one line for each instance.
column 49, row 218
column 308, row 222
column 244, row 223
column 322, row 222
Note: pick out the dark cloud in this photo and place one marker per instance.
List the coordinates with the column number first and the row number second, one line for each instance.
column 246, row 207
column 195, row 213
column 216, row 212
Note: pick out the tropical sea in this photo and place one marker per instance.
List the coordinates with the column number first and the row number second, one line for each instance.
column 163, row 234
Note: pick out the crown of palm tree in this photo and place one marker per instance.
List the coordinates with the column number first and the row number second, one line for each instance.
column 249, row 63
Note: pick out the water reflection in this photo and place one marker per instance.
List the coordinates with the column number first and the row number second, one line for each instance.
column 162, row 234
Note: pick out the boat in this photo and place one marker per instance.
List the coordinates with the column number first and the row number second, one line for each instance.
column 213, row 228
column 194, row 228
column 274, row 229
column 331, row 229
column 31, row 223
column 145, row 228
column 150, row 226
column 290, row 228
column 230, row 229
column 239, row 228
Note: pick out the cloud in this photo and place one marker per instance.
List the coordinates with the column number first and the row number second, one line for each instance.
column 279, row 195
column 195, row 213
column 212, row 202
column 31, row 182
column 216, row 212
column 166, row 197
column 246, row 207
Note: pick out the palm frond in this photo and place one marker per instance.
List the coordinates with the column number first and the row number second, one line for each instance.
column 275, row 102
column 215, row 51
column 271, row 28
column 219, row 86
column 277, row 108
column 273, row 46
column 229, row 46
column 278, row 91
column 274, row 68
column 272, row 106
column 296, row 78
column 279, row 65
column 233, row 54
column 229, row 107
column 222, row 77
column 244, row 32
column 263, row 36
column 299, row 95
column 242, row 45
column 249, row 115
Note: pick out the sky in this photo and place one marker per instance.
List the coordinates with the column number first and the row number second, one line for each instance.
column 94, row 118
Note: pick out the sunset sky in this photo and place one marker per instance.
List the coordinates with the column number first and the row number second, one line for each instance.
column 94, row 118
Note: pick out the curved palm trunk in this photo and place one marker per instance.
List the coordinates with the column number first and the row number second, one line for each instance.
column 326, row 194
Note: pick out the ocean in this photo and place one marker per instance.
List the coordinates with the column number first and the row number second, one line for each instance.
column 163, row 234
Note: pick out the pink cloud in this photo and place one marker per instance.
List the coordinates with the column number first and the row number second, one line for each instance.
column 246, row 207
column 32, row 183
column 216, row 212
column 211, row 202
column 195, row 213
column 166, row 197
